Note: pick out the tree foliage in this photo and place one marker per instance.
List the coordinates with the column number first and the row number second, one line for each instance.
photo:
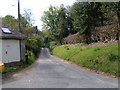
column 28, row 16
column 81, row 17
column 11, row 21
column 26, row 23
column 58, row 22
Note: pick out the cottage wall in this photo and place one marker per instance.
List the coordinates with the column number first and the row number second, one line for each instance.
column 10, row 50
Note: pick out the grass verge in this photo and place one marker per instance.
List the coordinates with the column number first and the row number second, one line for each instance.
column 104, row 58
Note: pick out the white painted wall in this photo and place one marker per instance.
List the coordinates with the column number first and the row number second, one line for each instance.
column 10, row 50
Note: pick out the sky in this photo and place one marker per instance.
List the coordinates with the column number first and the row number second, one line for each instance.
column 9, row 7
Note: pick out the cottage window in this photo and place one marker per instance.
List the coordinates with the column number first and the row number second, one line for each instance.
column 6, row 30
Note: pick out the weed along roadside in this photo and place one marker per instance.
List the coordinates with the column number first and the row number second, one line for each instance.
column 102, row 58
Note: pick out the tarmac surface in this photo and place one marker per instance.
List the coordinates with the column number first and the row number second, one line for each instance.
column 51, row 72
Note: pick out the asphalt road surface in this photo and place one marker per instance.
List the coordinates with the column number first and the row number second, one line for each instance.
column 51, row 72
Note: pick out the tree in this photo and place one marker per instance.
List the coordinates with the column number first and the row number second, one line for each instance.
column 69, row 21
column 23, row 24
column 86, row 16
column 28, row 16
column 50, row 21
column 11, row 21
column 58, row 21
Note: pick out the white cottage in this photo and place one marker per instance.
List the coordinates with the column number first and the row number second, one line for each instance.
column 12, row 44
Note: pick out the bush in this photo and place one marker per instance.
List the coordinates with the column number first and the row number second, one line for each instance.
column 34, row 45
column 96, row 49
column 113, row 57
column 31, row 57
column 52, row 45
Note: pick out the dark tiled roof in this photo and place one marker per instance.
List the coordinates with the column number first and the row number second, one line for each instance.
column 14, row 33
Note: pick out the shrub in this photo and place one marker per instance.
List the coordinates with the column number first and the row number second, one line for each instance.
column 113, row 57
column 96, row 49
column 31, row 57
column 34, row 45
column 52, row 45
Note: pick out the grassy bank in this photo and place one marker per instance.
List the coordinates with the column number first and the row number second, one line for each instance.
column 104, row 58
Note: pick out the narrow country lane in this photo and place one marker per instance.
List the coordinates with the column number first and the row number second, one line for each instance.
column 51, row 72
